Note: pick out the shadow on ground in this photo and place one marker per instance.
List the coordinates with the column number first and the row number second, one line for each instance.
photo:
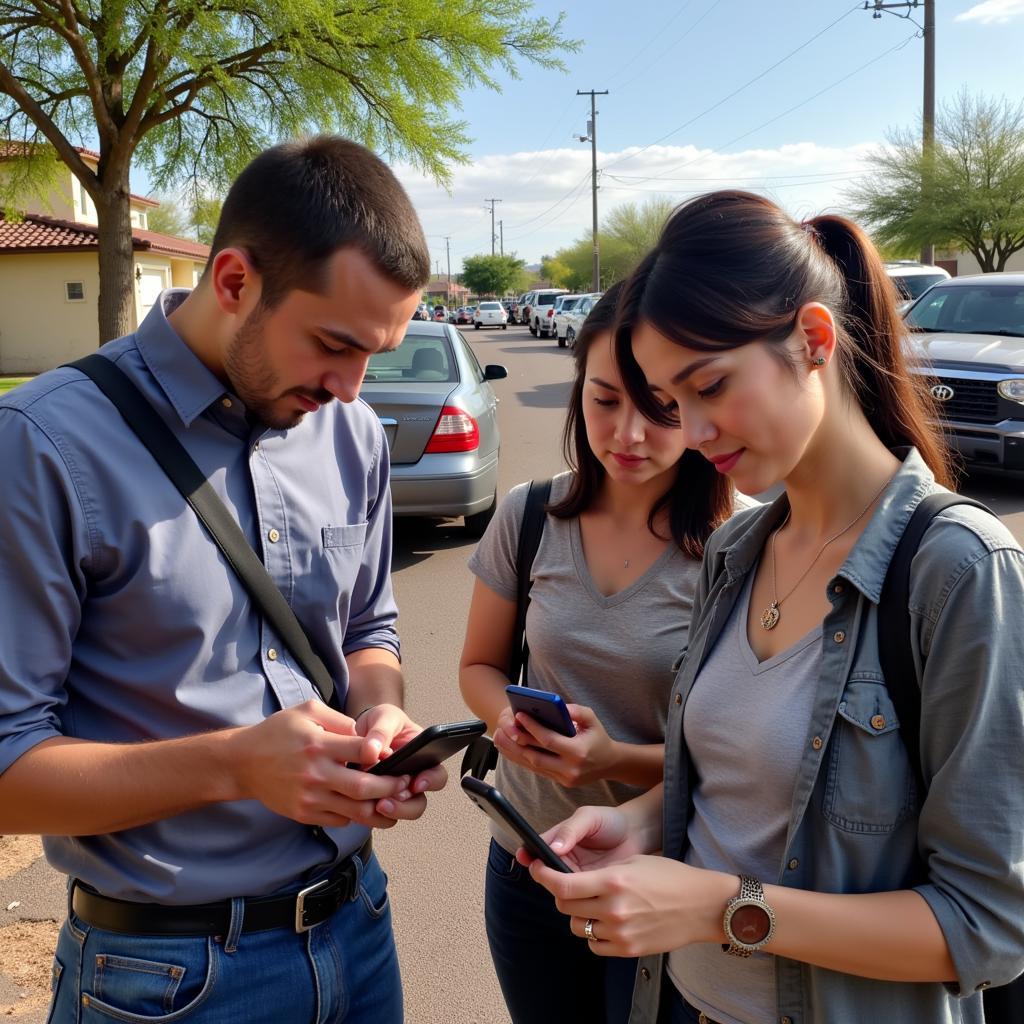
column 546, row 396
column 550, row 349
column 417, row 539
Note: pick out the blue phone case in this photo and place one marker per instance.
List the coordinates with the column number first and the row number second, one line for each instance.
column 547, row 708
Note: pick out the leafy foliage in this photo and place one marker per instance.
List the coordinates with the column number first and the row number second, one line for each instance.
column 969, row 195
column 492, row 275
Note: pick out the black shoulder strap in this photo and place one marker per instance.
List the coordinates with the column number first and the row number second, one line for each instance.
column 894, row 625
column 480, row 756
column 175, row 461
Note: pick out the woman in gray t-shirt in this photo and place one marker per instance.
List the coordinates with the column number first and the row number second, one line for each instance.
column 613, row 583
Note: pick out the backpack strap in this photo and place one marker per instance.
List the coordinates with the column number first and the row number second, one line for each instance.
column 894, row 626
column 480, row 756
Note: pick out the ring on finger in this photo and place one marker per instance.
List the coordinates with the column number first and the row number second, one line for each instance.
column 588, row 930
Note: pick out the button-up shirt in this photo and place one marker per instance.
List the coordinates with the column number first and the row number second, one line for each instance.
column 857, row 824
column 121, row 620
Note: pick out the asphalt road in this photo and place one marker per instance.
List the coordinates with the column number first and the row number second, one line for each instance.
column 436, row 865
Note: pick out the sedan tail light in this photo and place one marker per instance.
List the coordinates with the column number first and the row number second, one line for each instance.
column 456, row 431
column 551, row 312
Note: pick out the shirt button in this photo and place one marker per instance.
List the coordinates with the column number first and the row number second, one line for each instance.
column 816, row 743
column 839, row 636
column 793, row 864
column 256, row 447
column 878, row 721
column 226, row 402
column 273, row 536
column 272, row 654
column 679, row 699
column 645, row 974
column 785, row 1020
column 837, row 589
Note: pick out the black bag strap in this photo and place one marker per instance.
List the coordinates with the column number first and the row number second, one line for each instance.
column 179, row 466
column 480, row 756
column 894, row 625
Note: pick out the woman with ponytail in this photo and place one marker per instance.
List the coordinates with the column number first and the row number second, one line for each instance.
column 791, row 868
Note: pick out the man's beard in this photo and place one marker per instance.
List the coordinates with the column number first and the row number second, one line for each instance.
column 253, row 380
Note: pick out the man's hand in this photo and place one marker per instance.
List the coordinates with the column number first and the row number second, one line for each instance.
column 295, row 763
column 387, row 728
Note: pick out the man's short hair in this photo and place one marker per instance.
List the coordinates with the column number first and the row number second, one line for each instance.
column 298, row 203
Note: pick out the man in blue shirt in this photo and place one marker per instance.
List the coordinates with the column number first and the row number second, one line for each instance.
column 153, row 729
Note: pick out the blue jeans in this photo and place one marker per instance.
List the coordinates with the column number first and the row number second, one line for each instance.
column 343, row 971
column 547, row 974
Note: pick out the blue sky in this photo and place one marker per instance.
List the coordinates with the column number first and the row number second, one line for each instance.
column 783, row 98
column 666, row 62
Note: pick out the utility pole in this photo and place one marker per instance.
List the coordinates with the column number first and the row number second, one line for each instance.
column 493, row 235
column 591, row 137
column 501, row 232
column 877, row 7
column 448, row 253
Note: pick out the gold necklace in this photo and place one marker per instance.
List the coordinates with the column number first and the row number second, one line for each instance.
column 771, row 615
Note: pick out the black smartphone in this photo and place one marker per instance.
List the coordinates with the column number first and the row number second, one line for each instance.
column 435, row 744
column 496, row 807
column 548, row 708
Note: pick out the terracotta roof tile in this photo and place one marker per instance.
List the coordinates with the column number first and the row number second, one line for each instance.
column 48, row 234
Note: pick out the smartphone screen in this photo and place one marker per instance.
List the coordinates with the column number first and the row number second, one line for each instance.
column 496, row 807
column 547, row 708
column 434, row 745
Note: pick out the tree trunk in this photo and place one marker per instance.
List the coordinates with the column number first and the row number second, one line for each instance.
column 117, row 283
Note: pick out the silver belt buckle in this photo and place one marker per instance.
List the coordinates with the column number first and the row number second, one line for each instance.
column 300, row 904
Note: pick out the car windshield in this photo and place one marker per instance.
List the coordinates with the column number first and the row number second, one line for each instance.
column 490, row 305
column 420, row 357
column 570, row 304
column 912, row 286
column 971, row 309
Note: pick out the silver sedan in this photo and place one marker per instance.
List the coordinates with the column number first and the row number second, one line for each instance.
column 439, row 414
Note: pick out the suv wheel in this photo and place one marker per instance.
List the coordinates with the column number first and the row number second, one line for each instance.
column 562, row 339
column 570, row 337
column 533, row 328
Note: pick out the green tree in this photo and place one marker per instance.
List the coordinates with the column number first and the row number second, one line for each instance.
column 491, row 275
column 169, row 218
column 557, row 271
column 194, row 88
column 969, row 195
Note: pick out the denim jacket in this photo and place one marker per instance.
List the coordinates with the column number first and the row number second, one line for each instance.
column 857, row 823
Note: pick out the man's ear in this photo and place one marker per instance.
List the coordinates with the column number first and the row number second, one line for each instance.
column 817, row 333
column 235, row 282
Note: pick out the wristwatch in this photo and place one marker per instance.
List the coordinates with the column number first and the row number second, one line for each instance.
column 749, row 921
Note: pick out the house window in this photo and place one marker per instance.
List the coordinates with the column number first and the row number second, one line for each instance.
column 74, row 291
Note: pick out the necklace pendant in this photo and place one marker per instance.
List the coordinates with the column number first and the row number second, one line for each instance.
column 770, row 617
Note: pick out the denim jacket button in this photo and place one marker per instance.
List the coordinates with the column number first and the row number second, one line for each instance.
column 878, row 721
column 816, row 743
column 645, row 974
column 793, row 864
column 839, row 636
column 679, row 699
column 785, row 1020
column 837, row 589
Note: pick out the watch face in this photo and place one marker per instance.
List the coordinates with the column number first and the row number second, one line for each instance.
column 750, row 924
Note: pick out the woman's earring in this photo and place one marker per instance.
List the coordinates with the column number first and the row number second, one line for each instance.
column 820, row 361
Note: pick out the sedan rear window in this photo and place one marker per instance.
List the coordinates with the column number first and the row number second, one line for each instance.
column 490, row 305
column 420, row 357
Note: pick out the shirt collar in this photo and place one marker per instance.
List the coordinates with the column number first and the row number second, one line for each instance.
column 868, row 562
column 190, row 387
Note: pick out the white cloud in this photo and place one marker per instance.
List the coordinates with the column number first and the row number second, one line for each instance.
column 991, row 12
column 546, row 196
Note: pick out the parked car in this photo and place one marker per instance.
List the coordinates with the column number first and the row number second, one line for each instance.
column 438, row 411
column 490, row 314
column 440, row 314
column 422, row 312
column 540, row 307
column 564, row 304
column 912, row 280
column 464, row 315
column 574, row 317
column 968, row 336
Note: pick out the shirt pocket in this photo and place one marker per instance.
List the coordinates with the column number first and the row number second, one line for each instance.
column 869, row 787
column 351, row 536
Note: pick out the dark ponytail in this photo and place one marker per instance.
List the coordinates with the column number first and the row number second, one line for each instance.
column 699, row 499
column 731, row 268
column 897, row 404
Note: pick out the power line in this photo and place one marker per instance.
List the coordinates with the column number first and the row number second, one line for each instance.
column 493, row 236
column 650, row 39
column 749, row 177
column 575, row 188
column 736, row 92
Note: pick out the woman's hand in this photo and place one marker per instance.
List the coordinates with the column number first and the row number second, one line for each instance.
column 593, row 837
column 640, row 905
column 570, row 761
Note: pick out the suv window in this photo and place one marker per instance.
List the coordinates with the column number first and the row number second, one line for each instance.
column 970, row 309
column 420, row 357
column 546, row 300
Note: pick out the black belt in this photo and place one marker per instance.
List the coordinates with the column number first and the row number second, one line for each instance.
column 299, row 911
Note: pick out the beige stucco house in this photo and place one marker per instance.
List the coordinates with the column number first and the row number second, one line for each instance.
column 962, row 263
column 49, row 273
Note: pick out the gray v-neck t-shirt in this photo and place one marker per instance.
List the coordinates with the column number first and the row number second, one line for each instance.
column 745, row 724
column 611, row 653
